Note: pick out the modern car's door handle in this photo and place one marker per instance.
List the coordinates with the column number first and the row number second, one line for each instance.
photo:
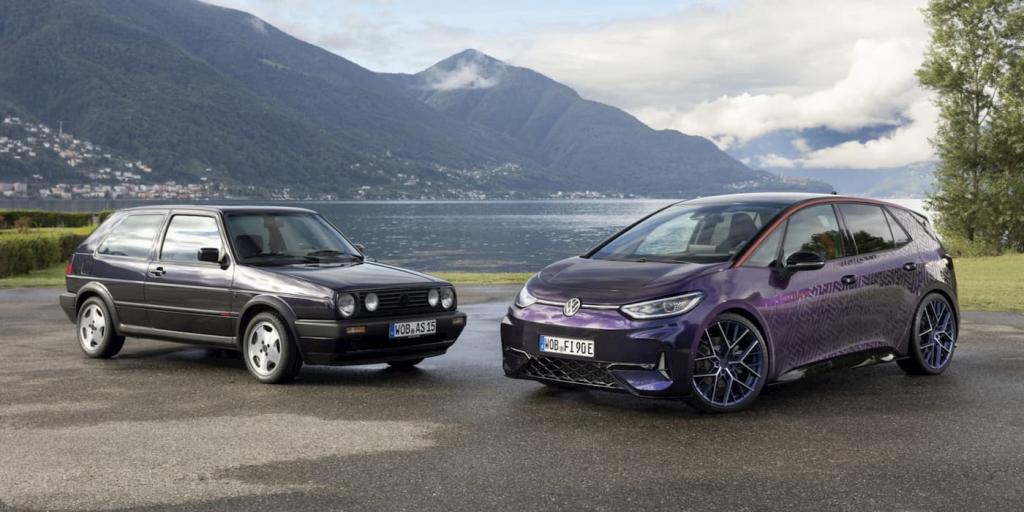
column 850, row 279
column 910, row 266
column 159, row 271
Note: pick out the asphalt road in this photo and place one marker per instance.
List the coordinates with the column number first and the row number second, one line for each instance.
column 167, row 426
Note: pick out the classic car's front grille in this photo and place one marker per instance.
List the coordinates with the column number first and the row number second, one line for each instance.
column 572, row 371
column 398, row 303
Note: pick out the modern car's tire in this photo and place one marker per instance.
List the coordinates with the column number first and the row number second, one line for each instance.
column 408, row 364
column 95, row 330
column 729, row 366
column 933, row 337
column 269, row 351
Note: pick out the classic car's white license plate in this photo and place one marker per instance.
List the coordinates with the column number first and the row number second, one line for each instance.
column 568, row 346
column 412, row 329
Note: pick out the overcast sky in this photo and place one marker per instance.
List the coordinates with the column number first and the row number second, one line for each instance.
column 733, row 71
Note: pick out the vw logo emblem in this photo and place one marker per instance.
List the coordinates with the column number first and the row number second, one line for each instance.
column 571, row 307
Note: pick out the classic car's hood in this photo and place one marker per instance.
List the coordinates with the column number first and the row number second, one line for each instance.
column 363, row 275
column 615, row 281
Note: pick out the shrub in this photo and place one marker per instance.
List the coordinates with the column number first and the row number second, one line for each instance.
column 48, row 219
column 21, row 253
column 23, row 224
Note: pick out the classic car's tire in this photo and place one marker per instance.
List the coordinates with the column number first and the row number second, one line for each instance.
column 729, row 365
column 932, row 337
column 95, row 330
column 269, row 351
column 408, row 364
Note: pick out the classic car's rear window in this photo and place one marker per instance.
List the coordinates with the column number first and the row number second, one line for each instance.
column 133, row 236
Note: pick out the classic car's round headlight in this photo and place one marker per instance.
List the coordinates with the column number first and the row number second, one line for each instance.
column 346, row 305
column 433, row 297
column 447, row 298
column 371, row 302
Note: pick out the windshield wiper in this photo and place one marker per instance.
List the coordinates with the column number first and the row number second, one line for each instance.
column 319, row 254
column 282, row 255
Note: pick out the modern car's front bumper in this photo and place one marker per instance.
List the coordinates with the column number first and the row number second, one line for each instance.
column 649, row 359
column 366, row 341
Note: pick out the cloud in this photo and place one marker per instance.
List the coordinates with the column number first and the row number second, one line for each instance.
column 466, row 75
column 878, row 87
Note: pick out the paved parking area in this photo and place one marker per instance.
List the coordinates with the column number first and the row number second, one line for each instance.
column 168, row 426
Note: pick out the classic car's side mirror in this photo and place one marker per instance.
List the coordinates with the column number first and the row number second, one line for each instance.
column 361, row 248
column 804, row 260
column 209, row 255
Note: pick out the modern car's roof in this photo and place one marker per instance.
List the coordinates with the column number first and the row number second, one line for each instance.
column 233, row 208
column 786, row 198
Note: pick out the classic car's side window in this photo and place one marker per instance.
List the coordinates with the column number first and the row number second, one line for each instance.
column 768, row 251
column 133, row 236
column 868, row 227
column 814, row 229
column 186, row 234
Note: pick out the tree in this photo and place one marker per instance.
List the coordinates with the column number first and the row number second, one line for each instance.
column 975, row 67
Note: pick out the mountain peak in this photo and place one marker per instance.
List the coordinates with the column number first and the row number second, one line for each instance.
column 468, row 69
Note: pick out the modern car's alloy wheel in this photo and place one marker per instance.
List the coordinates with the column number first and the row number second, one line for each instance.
column 95, row 330
column 729, row 365
column 933, row 337
column 269, row 352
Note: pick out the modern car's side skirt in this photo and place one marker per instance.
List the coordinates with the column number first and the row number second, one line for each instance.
column 851, row 360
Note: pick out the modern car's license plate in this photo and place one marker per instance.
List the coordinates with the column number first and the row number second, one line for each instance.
column 568, row 346
column 412, row 329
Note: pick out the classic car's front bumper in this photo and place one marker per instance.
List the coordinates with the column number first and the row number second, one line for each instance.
column 366, row 341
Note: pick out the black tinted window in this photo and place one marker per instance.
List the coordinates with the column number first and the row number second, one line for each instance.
column 186, row 235
column 133, row 236
column 813, row 229
column 768, row 251
column 899, row 235
column 868, row 226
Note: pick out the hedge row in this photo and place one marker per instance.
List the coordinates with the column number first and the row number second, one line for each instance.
column 21, row 253
column 48, row 219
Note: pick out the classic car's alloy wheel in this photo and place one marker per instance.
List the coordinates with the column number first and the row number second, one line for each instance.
column 933, row 337
column 729, row 365
column 95, row 330
column 269, row 352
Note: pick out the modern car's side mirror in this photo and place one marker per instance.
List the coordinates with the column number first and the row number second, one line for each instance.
column 209, row 255
column 361, row 248
column 804, row 260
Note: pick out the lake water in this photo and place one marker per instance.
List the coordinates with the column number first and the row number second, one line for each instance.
column 475, row 236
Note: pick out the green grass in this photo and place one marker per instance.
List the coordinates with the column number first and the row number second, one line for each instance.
column 985, row 284
column 483, row 278
column 994, row 283
column 84, row 230
column 52, row 276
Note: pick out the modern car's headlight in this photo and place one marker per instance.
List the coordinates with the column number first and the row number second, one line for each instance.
column 346, row 305
column 447, row 297
column 661, row 308
column 524, row 299
column 371, row 301
column 433, row 297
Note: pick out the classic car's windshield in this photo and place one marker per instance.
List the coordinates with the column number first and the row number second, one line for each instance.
column 701, row 233
column 284, row 238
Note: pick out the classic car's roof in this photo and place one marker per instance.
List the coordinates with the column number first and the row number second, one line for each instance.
column 221, row 208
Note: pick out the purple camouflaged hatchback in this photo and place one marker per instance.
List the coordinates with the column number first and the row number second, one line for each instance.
column 708, row 300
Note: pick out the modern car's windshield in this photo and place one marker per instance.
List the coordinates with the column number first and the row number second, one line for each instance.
column 699, row 233
column 284, row 238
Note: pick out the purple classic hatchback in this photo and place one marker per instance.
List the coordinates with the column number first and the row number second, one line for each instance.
column 708, row 300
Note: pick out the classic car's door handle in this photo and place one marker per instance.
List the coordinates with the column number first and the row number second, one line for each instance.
column 910, row 266
column 159, row 271
column 850, row 279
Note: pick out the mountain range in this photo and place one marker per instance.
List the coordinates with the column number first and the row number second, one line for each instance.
column 203, row 92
